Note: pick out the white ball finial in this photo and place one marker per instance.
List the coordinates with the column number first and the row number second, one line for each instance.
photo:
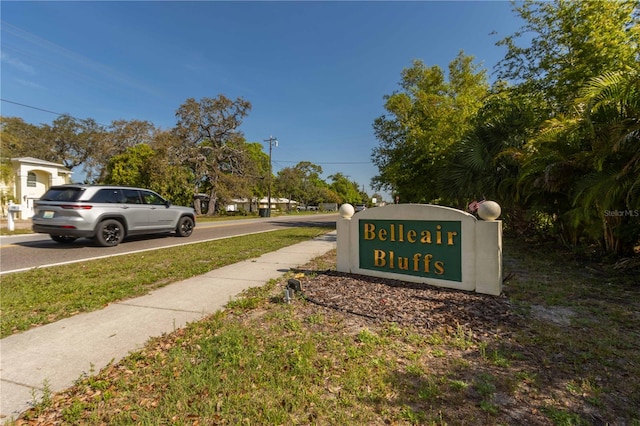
column 346, row 211
column 489, row 210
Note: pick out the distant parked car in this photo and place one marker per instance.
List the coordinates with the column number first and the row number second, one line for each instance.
column 360, row 207
column 107, row 214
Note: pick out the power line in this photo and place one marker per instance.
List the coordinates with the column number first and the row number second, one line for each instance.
column 275, row 161
column 32, row 107
column 59, row 114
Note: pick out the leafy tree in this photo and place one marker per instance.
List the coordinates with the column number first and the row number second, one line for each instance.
column 73, row 141
column 582, row 59
column 11, row 145
column 302, row 183
column 244, row 173
column 168, row 176
column 567, row 43
column 288, row 183
column 21, row 139
column 131, row 168
column 346, row 190
column 485, row 163
column 328, row 195
column 312, row 184
column 425, row 118
column 256, row 170
column 612, row 114
column 151, row 167
column 588, row 163
column 117, row 138
column 206, row 128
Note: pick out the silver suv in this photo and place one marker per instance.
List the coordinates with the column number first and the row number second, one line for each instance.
column 108, row 214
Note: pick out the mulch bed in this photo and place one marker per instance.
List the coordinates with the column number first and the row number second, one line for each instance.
column 422, row 306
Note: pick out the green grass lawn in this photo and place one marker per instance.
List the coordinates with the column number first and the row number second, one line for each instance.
column 262, row 361
column 41, row 296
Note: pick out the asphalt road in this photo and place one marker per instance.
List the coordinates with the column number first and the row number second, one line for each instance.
column 23, row 252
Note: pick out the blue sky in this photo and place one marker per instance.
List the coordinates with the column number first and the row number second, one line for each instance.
column 315, row 72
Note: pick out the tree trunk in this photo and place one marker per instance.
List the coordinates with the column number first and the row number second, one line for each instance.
column 211, row 209
column 197, row 203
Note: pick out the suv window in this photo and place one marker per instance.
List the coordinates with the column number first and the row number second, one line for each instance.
column 132, row 196
column 152, row 198
column 108, row 196
column 62, row 194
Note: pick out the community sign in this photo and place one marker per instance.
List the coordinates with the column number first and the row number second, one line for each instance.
column 422, row 243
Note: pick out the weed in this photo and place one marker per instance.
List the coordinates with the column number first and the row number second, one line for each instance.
column 366, row 336
column 429, row 389
column 438, row 353
column 315, row 319
column 393, row 329
column 435, row 339
column 72, row 414
column 499, row 360
column 409, row 414
column 44, row 400
column 458, row 385
column 564, row 418
column 484, row 385
column 245, row 303
column 488, row 407
column 415, row 370
column 462, row 338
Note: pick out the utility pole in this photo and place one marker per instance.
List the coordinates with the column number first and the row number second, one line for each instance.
column 271, row 141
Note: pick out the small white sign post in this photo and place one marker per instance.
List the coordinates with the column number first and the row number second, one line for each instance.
column 13, row 209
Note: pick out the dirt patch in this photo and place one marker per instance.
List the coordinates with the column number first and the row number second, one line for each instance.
column 559, row 315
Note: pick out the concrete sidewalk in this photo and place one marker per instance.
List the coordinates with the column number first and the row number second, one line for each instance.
column 56, row 355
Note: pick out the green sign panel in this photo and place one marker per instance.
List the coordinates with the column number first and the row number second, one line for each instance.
column 430, row 249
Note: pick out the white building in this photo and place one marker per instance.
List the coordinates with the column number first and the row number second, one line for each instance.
column 277, row 203
column 30, row 178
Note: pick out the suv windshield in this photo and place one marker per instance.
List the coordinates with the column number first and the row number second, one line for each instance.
column 62, row 194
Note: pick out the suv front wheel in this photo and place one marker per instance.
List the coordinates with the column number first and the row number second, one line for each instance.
column 109, row 233
column 185, row 226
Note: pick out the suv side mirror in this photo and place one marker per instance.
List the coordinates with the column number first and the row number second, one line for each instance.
column 167, row 204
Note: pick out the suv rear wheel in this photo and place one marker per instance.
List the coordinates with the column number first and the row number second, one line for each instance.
column 185, row 226
column 109, row 233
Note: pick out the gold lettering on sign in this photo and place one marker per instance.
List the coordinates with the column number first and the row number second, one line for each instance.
column 450, row 236
column 425, row 237
column 401, row 260
column 427, row 262
column 396, row 233
column 383, row 259
column 369, row 231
